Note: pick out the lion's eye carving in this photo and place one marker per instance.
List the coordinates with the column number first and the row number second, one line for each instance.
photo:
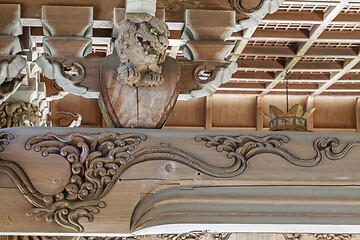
column 154, row 31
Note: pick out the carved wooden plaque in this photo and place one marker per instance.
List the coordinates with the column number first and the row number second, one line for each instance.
column 137, row 107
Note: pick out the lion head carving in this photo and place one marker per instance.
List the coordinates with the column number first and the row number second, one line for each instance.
column 141, row 47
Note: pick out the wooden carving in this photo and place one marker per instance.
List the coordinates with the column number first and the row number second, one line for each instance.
column 98, row 160
column 206, row 49
column 254, row 14
column 65, row 119
column 139, row 84
column 193, row 235
column 243, row 148
column 292, row 236
column 333, row 236
column 67, row 74
column 141, row 48
column 20, row 114
column 10, row 76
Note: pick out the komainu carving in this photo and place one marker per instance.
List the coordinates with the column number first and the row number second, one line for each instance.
column 243, row 148
column 20, row 114
column 333, row 236
column 141, row 48
column 98, row 160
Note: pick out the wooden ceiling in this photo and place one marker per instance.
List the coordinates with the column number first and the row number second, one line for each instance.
column 317, row 42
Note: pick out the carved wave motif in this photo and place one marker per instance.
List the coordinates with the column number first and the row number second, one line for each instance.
column 243, row 148
column 98, row 160
column 5, row 138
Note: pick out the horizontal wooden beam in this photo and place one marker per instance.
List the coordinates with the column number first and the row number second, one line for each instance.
column 314, row 52
column 299, row 36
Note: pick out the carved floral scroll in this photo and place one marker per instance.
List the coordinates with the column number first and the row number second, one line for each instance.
column 98, row 160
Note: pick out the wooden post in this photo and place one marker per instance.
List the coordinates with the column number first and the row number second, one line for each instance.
column 310, row 120
column 259, row 116
column 357, row 114
column 208, row 111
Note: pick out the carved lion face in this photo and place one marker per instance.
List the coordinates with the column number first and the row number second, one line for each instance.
column 142, row 43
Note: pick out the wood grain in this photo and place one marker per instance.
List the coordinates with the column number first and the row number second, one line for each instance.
column 143, row 107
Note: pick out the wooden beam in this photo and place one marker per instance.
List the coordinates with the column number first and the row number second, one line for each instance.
column 349, row 64
column 299, row 36
column 241, row 44
column 209, row 112
column 281, row 16
column 278, row 51
column 259, row 116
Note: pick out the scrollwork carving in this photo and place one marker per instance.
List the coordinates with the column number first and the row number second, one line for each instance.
column 66, row 119
column 243, row 148
column 67, row 74
column 333, row 236
column 10, row 76
column 97, row 161
column 254, row 15
column 238, row 7
column 221, row 236
column 5, row 138
column 292, row 236
column 193, row 235
column 134, row 237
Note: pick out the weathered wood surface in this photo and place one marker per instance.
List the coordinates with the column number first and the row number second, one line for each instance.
column 51, row 174
column 130, row 106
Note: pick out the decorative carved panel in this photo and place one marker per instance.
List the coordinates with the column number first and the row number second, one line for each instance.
column 98, row 160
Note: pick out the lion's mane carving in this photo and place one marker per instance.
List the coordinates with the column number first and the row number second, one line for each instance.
column 141, row 48
column 20, row 114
